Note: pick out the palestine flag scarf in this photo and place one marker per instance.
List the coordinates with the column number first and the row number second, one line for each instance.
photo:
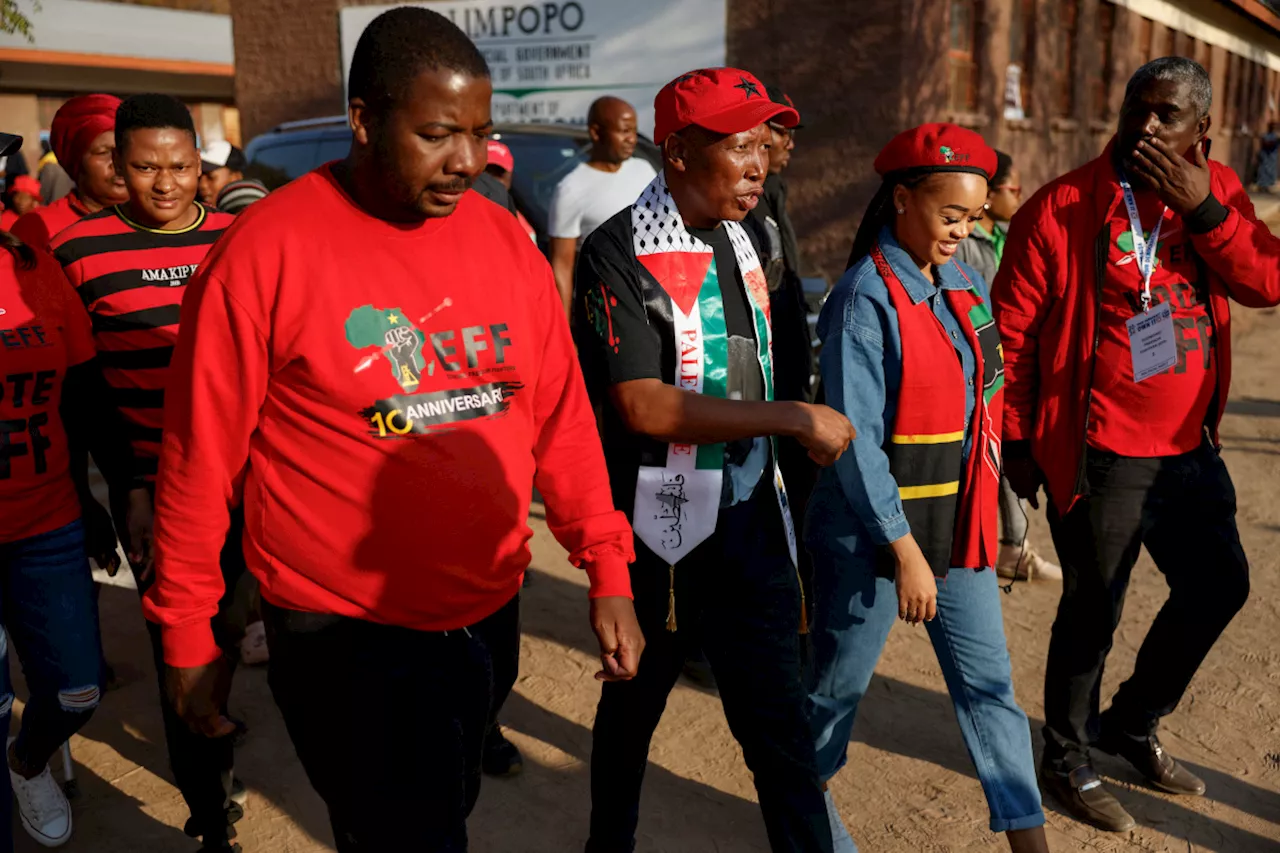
column 678, row 503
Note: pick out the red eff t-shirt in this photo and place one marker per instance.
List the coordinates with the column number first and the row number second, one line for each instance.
column 43, row 331
column 1163, row 415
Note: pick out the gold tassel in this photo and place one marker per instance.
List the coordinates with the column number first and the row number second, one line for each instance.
column 804, row 611
column 671, row 601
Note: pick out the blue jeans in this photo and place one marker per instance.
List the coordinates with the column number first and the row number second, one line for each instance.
column 853, row 612
column 46, row 596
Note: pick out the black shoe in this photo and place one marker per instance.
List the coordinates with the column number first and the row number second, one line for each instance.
column 222, row 846
column 1158, row 767
column 1083, row 795
column 223, row 828
column 501, row 757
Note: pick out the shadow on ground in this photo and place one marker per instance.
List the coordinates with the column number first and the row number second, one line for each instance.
column 919, row 723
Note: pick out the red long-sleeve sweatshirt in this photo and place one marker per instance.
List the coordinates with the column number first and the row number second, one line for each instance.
column 381, row 396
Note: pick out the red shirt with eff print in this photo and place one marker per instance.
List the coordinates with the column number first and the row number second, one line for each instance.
column 1164, row 415
column 43, row 331
column 385, row 397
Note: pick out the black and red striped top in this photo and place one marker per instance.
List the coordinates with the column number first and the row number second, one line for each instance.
column 131, row 280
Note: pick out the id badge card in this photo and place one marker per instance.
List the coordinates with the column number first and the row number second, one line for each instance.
column 1152, row 342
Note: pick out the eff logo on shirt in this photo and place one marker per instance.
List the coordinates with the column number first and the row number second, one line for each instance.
column 404, row 346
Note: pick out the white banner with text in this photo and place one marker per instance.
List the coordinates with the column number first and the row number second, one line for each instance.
column 550, row 60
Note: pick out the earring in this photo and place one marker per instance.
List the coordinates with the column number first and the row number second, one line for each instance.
column 901, row 210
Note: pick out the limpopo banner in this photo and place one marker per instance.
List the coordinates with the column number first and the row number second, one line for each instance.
column 550, row 60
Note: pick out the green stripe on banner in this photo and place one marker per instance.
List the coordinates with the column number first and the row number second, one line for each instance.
column 715, row 358
column 980, row 314
column 988, row 393
column 762, row 345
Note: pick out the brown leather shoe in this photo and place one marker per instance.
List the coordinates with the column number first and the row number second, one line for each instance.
column 1082, row 793
column 1156, row 766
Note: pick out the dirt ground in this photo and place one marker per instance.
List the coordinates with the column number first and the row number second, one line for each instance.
column 908, row 788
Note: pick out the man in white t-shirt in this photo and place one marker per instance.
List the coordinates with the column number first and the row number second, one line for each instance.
column 597, row 189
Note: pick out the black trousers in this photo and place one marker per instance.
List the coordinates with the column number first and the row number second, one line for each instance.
column 1183, row 508
column 202, row 767
column 399, row 765
column 738, row 598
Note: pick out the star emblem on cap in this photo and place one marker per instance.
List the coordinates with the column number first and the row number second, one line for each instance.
column 749, row 87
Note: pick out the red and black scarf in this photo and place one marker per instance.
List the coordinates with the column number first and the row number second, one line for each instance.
column 949, row 502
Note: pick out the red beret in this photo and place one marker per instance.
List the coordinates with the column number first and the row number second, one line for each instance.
column 77, row 123
column 723, row 100
column 937, row 148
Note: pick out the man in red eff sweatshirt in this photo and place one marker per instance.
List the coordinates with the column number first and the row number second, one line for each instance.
column 377, row 360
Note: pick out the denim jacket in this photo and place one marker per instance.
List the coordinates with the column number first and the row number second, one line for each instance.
column 855, row 505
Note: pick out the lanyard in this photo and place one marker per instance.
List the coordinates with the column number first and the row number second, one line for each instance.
column 1144, row 251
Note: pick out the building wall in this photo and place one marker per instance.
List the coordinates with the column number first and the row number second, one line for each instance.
column 858, row 79
column 858, row 86
column 220, row 7
column 1049, row 143
column 118, row 47
column 855, row 87
column 19, row 114
column 288, row 60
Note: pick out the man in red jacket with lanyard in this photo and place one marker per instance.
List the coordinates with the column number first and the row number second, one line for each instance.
column 1113, row 304
column 379, row 361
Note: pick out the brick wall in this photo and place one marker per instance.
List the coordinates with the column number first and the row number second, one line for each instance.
column 854, row 87
column 288, row 61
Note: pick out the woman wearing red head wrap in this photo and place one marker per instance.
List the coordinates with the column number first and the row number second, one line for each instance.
column 904, row 524
column 82, row 136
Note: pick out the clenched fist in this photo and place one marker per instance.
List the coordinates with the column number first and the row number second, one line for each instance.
column 824, row 432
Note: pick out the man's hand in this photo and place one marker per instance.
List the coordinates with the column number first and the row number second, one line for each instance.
column 1181, row 183
column 613, row 618
column 825, row 433
column 198, row 694
column 100, row 537
column 1025, row 477
column 140, row 522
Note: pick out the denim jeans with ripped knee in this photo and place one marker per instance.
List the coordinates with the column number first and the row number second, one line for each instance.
column 49, row 613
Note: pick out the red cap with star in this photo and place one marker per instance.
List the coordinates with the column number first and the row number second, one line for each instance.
column 723, row 100
column 937, row 147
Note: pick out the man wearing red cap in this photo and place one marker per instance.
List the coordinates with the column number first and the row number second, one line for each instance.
column 82, row 136
column 673, row 331
column 502, row 167
column 1113, row 302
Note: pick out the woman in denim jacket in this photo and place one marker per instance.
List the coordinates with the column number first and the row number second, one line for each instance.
column 904, row 524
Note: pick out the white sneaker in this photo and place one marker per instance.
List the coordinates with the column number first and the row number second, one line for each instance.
column 46, row 814
column 1025, row 563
